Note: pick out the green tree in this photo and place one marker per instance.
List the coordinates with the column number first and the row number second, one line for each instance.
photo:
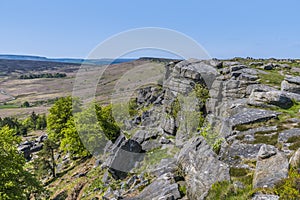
column 71, row 141
column 107, row 122
column 28, row 123
column 90, row 130
column 46, row 163
column 41, row 122
column 34, row 118
column 61, row 126
column 25, row 104
column 60, row 113
column 15, row 181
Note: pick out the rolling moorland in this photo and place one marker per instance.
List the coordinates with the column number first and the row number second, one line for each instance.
column 201, row 129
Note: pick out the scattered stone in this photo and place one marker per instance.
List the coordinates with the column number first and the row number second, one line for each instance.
column 164, row 140
column 266, row 151
column 106, row 178
column 237, row 67
column 256, row 64
column 265, row 197
column 42, row 138
column 295, row 70
column 282, row 66
column 231, row 63
column 268, row 66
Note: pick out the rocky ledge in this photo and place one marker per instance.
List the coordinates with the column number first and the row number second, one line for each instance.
column 240, row 138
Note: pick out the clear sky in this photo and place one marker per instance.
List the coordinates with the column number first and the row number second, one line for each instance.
column 225, row 28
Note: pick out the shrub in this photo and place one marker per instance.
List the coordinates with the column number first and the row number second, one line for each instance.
column 289, row 188
column 237, row 172
column 212, row 138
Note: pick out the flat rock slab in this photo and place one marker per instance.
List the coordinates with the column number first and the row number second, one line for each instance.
column 248, row 116
column 293, row 79
column 241, row 150
column 274, row 98
column 272, row 166
column 265, row 197
column 285, row 135
column 291, row 84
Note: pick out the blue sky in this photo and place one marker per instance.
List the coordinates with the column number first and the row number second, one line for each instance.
column 226, row 29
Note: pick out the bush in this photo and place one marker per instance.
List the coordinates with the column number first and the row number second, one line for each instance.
column 202, row 94
column 212, row 138
column 107, row 122
column 237, row 172
column 289, row 188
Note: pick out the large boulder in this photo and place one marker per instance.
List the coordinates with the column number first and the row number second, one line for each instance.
column 196, row 70
column 125, row 158
column 236, row 150
column 168, row 124
column 268, row 66
column 162, row 188
column 201, row 167
column 276, row 98
column 272, row 166
column 258, row 88
column 291, row 84
column 143, row 135
column 252, row 115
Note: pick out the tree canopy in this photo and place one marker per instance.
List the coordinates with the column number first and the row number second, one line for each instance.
column 15, row 181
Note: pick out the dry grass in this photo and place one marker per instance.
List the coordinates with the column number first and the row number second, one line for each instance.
column 36, row 91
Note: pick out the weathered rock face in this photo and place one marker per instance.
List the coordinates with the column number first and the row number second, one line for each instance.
column 251, row 116
column 125, row 158
column 285, row 135
column 169, row 125
column 164, row 187
column 240, row 150
column 272, row 166
column 295, row 159
column 201, row 166
column 234, row 89
column 291, row 84
column 150, row 95
column 275, row 98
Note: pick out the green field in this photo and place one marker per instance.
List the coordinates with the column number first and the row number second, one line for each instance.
column 8, row 106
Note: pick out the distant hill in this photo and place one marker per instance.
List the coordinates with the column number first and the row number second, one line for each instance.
column 65, row 60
